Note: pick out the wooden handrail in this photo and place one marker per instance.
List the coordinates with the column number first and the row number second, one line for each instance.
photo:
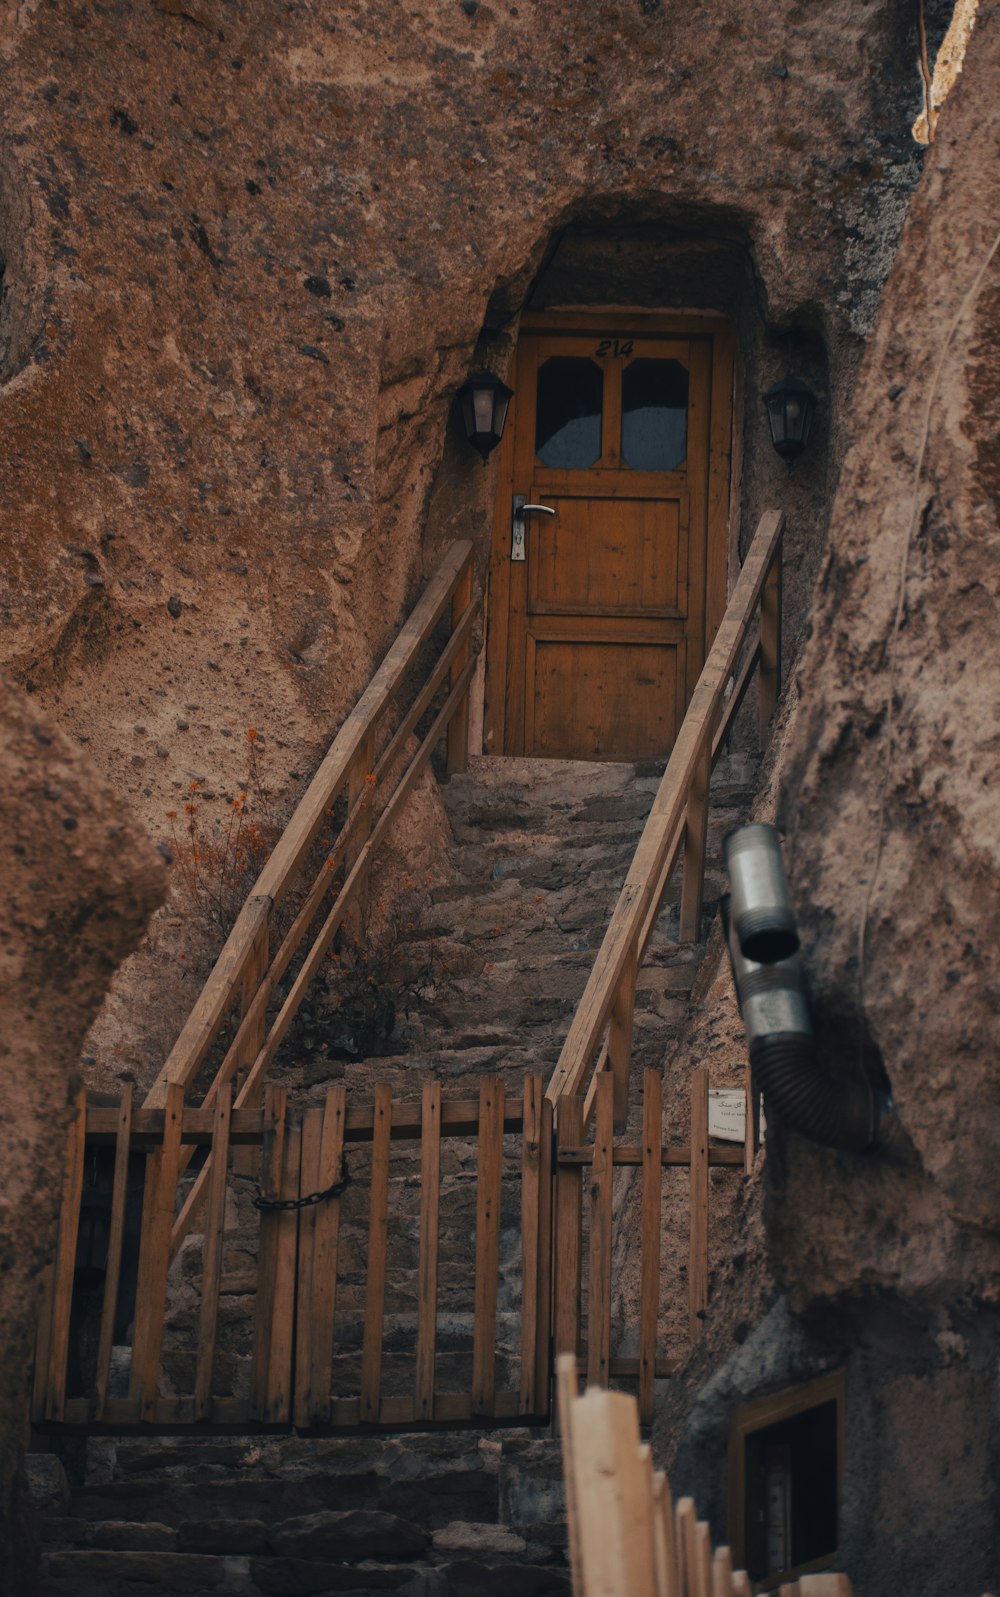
column 678, row 815
column 244, row 971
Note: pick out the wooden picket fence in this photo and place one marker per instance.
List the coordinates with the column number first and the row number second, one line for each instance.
column 376, row 1306
column 627, row 1538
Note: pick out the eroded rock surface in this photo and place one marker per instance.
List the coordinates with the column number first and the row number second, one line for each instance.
column 80, row 880
column 891, row 771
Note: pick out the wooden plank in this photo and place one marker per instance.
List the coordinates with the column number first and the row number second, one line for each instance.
column 459, row 1118
column 664, row 1547
column 278, row 1409
column 731, row 705
column 599, row 1284
column 593, row 1011
column 695, row 840
column 427, row 1267
column 532, row 1308
column 321, row 1308
column 620, row 1037
column 119, row 1194
column 674, row 1154
column 722, row 1573
column 566, row 1285
column 211, row 1268
column 271, row 1161
column 543, row 1339
column 458, row 726
column 159, row 1199
column 305, row 1280
column 649, row 1247
column 703, row 1559
column 567, row 1392
column 378, row 1238
column 213, row 1002
column 64, row 1263
column 488, row 1178
column 685, row 1518
column 698, row 1256
column 742, row 1584
column 613, row 1503
column 769, row 684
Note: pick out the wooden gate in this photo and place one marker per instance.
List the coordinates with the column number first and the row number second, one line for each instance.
column 391, row 1264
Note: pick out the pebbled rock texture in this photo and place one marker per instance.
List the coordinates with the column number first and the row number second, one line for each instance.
column 252, row 251
column 80, row 880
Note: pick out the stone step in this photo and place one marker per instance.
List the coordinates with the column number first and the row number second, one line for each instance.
column 444, row 1514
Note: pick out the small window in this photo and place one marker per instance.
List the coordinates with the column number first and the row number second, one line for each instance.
column 654, row 415
column 785, row 1470
column 568, row 414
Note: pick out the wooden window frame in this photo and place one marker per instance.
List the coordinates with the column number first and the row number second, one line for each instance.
column 757, row 1415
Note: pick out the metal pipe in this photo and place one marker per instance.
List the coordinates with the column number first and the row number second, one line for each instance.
column 839, row 1112
column 761, row 909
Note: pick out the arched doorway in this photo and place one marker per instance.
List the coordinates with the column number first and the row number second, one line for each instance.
column 600, row 614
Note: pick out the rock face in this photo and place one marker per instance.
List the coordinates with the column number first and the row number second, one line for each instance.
column 887, row 1264
column 892, row 765
column 252, row 252
column 80, row 881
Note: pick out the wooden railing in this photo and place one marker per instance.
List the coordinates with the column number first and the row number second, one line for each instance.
column 600, row 1035
column 627, row 1538
column 326, row 1316
column 303, row 1315
column 582, row 1230
column 370, row 764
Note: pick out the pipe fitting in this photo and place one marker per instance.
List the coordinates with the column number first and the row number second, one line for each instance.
column 839, row 1112
column 761, row 905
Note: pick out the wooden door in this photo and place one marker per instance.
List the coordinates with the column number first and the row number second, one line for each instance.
column 622, row 427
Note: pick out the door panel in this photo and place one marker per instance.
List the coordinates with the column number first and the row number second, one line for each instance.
column 615, row 699
column 603, row 556
column 598, row 636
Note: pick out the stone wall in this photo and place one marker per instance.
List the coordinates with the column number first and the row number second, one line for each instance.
column 887, row 1264
column 250, row 254
column 80, row 881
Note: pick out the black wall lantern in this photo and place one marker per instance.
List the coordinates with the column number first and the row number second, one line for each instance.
column 790, row 405
column 484, row 400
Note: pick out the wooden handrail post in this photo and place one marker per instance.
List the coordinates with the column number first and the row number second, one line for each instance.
column 568, row 1228
column 695, row 843
column 620, row 1038
column 458, row 726
column 601, row 1189
column 770, row 647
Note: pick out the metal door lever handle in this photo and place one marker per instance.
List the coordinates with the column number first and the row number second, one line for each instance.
column 520, row 510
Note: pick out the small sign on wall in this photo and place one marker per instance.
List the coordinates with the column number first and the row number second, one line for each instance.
column 727, row 1114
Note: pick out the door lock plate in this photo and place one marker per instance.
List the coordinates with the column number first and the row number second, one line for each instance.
column 518, row 513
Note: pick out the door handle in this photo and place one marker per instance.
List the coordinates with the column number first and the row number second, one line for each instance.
column 520, row 510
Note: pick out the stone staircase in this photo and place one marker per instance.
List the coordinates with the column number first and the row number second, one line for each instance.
column 446, row 1515
column 517, row 911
